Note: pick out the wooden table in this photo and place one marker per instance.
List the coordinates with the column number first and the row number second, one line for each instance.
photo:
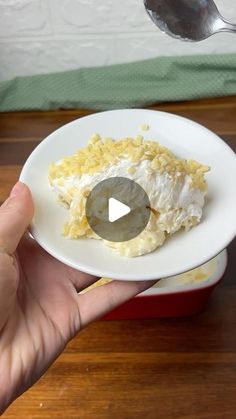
column 154, row 369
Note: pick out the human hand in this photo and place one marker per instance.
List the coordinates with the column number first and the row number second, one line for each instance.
column 40, row 308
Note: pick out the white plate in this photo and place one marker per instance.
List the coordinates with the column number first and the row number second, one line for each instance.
column 183, row 251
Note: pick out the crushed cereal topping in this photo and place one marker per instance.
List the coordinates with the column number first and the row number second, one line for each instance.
column 103, row 152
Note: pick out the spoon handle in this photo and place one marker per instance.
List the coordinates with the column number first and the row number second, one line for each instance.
column 228, row 27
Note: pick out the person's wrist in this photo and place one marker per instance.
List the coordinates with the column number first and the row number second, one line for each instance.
column 9, row 380
column 6, row 393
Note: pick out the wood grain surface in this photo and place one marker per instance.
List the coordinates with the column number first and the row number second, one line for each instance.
column 155, row 369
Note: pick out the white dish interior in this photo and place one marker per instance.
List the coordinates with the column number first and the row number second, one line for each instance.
column 214, row 271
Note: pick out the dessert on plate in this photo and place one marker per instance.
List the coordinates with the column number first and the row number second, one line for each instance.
column 176, row 188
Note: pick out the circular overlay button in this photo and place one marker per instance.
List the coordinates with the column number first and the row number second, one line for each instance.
column 118, row 209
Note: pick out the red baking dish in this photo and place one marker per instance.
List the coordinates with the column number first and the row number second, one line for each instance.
column 172, row 300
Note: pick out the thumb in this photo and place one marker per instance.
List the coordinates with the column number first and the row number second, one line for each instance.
column 15, row 215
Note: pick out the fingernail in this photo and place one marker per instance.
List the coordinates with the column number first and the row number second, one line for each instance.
column 17, row 189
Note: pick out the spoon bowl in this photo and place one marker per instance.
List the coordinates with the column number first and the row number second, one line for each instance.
column 188, row 20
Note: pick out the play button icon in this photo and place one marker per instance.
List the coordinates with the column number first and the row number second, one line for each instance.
column 118, row 209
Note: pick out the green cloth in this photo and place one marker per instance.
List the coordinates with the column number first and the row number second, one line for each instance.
column 121, row 86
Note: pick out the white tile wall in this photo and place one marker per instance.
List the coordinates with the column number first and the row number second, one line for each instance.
column 40, row 36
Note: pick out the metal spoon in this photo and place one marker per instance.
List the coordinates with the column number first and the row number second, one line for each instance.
column 189, row 20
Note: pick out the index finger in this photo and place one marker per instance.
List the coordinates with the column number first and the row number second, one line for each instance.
column 99, row 301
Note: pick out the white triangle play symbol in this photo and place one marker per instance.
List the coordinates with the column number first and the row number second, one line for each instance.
column 117, row 210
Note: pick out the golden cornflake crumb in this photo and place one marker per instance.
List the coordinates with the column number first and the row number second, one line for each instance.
column 131, row 170
column 102, row 281
column 101, row 153
column 144, row 127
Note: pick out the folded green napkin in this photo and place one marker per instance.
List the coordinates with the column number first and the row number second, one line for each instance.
column 122, row 86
